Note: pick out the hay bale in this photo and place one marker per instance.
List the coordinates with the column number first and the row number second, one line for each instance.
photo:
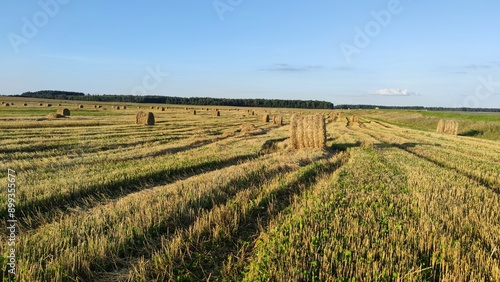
column 152, row 107
column 3, row 103
column 250, row 129
column 55, row 115
column 25, row 104
column 7, row 104
column 217, row 113
column 117, row 107
column 194, row 112
column 265, row 118
column 352, row 120
column 64, row 112
column 145, row 118
column 162, row 109
column 278, row 120
column 307, row 132
column 60, row 104
column 40, row 104
column 124, row 107
column 447, row 127
column 80, row 106
column 49, row 105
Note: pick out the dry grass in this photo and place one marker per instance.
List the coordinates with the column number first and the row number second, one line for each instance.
column 145, row 118
column 54, row 116
column 307, row 131
column 447, row 127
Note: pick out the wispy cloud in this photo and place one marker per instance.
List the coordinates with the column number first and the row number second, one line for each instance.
column 478, row 66
column 290, row 68
column 395, row 92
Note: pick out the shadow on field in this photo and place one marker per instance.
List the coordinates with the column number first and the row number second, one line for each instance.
column 214, row 252
column 402, row 146
column 341, row 147
column 88, row 197
column 472, row 133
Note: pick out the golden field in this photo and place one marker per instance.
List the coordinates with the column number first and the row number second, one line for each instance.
column 195, row 198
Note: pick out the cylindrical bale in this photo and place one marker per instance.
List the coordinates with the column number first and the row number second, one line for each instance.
column 145, row 118
column 64, row 112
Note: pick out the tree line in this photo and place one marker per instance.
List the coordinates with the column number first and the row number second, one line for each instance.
column 206, row 101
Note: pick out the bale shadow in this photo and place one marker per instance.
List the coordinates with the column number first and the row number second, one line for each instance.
column 342, row 147
column 472, row 133
column 402, row 146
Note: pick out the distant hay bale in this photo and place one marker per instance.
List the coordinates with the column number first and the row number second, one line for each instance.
column 186, row 108
column 7, row 104
column 95, row 106
column 194, row 112
column 60, row 104
column 152, row 107
column 99, row 106
column 447, row 127
column 124, row 107
column 117, row 107
column 252, row 113
column 55, row 115
column 80, row 106
column 25, row 104
column 217, row 113
column 278, row 120
column 40, row 104
column 64, row 112
column 145, row 118
column 250, row 129
column 308, row 131
column 353, row 120
column 49, row 105
column 265, row 118
column 162, row 109
column 3, row 103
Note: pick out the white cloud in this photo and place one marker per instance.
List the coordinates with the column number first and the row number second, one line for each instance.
column 395, row 92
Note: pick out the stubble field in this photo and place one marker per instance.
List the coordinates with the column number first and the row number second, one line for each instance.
column 192, row 198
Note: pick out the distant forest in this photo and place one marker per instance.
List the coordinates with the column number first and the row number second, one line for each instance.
column 267, row 103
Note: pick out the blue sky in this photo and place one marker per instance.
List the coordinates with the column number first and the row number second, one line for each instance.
column 429, row 53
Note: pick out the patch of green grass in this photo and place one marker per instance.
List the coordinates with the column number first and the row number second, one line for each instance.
column 463, row 115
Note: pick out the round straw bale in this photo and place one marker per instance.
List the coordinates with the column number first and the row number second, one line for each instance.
column 145, row 118
column 64, row 112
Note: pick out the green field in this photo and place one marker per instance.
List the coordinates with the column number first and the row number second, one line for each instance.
column 192, row 198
